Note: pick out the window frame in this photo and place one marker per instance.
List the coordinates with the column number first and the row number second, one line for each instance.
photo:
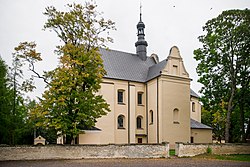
column 193, row 106
column 151, row 114
column 175, row 70
column 121, row 125
column 140, row 100
column 176, row 116
column 122, row 93
column 139, row 122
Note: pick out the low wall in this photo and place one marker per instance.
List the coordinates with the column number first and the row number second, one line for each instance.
column 189, row 150
column 84, row 151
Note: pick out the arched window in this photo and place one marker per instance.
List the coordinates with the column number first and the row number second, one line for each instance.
column 139, row 122
column 120, row 121
column 151, row 113
column 176, row 116
column 193, row 106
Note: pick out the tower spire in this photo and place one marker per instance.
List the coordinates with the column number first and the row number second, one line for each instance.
column 141, row 44
column 140, row 11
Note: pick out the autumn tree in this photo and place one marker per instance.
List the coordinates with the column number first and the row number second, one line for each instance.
column 71, row 102
column 224, row 62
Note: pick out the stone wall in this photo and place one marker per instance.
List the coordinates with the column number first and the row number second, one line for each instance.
column 189, row 150
column 84, row 151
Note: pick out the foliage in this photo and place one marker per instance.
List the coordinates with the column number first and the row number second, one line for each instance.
column 216, row 120
column 14, row 128
column 209, row 150
column 224, row 63
column 71, row 100
column 4, row 101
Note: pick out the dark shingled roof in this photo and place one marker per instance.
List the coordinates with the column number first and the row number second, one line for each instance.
column 128, row 66
column 197, row 125
column 155, row 70
column 125, row 66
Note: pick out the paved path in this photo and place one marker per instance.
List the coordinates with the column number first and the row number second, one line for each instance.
column 179, row 162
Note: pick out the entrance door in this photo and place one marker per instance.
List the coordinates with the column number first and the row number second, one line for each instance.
column 139, row 140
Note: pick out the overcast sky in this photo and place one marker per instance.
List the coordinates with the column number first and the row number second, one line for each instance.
column 168, row 23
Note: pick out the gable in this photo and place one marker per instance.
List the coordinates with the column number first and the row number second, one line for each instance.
column 175, row 65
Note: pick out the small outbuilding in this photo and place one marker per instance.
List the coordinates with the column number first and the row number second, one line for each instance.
column 39, row 141
column 200, row 133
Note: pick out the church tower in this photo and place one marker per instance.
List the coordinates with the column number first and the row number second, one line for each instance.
column 141, row 44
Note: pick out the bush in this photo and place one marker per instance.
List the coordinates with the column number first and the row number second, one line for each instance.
column 209, row 150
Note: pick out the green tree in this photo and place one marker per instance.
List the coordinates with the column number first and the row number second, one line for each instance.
column 17, row 86
column 71, row 101
column 13, row 111
column 216, row 120
column 224, row 60
column 5, row 106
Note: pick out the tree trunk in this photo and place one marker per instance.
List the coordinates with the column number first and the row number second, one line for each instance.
column 248, row 130
column 228, row 124
column 242, row 120
column 229, row 111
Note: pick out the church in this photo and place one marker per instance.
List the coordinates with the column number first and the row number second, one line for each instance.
column 150, row 100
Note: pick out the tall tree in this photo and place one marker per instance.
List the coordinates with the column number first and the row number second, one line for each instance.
column 71, row 101
column 223, row 60
column 5, row 106
column 13, row 111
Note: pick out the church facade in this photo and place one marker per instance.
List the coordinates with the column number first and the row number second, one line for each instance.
column 150, row 101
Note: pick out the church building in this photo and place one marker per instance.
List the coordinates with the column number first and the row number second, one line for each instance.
column 150, row 100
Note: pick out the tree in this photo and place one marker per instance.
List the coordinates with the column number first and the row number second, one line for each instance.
column 224, row 61
column 4, row 101
column 71, row 101
column 13, row 111
column 216, row 120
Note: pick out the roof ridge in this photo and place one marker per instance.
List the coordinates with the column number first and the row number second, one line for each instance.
column 108, row 49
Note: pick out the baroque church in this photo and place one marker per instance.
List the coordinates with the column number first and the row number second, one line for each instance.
column 150, row 100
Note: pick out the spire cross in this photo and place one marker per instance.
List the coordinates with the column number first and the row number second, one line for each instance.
column 140, row 11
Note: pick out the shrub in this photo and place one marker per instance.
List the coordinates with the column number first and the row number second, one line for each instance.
column 209, row 150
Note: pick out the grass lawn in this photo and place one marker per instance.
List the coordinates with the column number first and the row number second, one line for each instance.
column 234, row 157
column 171, row 152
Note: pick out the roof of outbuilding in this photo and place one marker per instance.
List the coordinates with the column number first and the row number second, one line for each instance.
column 192, row 93
column 197, row 125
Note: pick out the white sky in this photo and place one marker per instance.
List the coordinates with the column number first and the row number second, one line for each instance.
column 168, row 23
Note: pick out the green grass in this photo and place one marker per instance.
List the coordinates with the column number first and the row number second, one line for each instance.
column 233, row 157
column 171, row 152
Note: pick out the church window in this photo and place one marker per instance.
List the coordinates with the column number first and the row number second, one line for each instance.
column 176, row 116
column 120, row 96
column 139, row 98
column 139, row 122
column 151, row 113
column 193, row 106
column 120, row 121
column 175, row 70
